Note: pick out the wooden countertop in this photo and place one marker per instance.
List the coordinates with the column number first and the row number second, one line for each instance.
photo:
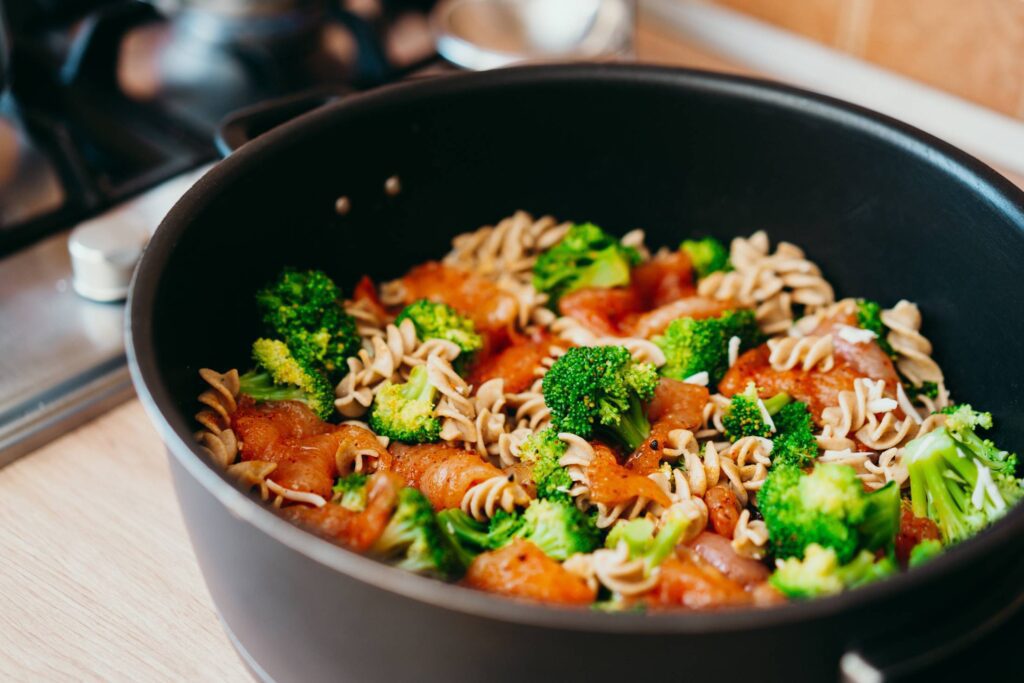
column 97, row 576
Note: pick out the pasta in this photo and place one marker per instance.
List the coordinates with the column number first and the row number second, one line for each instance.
column 522, row 395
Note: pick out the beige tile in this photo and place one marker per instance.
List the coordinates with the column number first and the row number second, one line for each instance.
column 972, row 48
column 816, row 19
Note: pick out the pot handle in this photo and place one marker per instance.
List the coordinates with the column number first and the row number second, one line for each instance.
column 897, row 658
column 245, row 124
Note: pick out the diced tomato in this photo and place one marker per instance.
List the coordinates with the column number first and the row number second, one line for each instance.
column 522, row 570
column 443, row 473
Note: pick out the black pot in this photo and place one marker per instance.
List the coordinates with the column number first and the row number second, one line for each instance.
column 888, row 212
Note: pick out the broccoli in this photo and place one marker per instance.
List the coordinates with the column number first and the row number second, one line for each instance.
column 303, row 308
column 405, row 412
column 466, row 536
column 282, row 374
column 504, row 526
column 693, row 346
column 959, row 480
column 544, row 450
column 820, row 572
column 586, row 257
column 558, row 528
column 600, row 389
column 413, row 537
column 707, row 255
column 745, row 416
column 925, row 551
column 828, row 507
column 794, row 442
column 929, row 389
column 869, row 317
column 638, row 535
column 350, row 492
column 434, row 320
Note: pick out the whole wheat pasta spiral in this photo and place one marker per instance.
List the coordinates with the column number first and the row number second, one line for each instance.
column 499, row 492
column 531, row 412
column 253, row 473
column 368, row 370
column 808, row 352
column 282, row 494
column 752, row 455
column 575, row 332
column 914, row 351
column 750, row 537
column 509, row 248
column 369, row 321
column 868, row 413
column 769, row 283
column 711, row 422
column 510, row 446
column 712, row 468
column 613, row 569
column 221, row 400
column 888, row 466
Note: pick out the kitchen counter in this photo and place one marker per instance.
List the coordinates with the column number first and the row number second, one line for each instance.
column 97, row 577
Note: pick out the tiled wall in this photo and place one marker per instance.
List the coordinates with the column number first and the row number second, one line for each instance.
column 972, row 48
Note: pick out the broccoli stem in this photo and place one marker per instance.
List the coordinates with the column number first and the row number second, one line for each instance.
column 633, row 426
column 776, row 402
column 260, row 386
column 419, row 388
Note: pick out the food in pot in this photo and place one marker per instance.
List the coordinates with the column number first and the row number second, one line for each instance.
column 556, row 414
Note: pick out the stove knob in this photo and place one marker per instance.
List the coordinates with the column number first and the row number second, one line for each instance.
column 104, row 252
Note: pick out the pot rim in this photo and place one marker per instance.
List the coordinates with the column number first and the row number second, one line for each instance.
column 177, row 432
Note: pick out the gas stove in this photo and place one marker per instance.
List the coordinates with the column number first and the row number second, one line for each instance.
column 108, row 113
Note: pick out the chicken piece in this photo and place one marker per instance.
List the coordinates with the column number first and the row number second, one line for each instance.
column 443, row 473
column 685, row 580
column 599, row 310
column 663, row 279
column 491, row 309
column 520, row 569
column 611, row 483
column 676, row 405
column 723, row 509
column 817, row 389
column 517, row 363
column 355, row 530
column 655, row 321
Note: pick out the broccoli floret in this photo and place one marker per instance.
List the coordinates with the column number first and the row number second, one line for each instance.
column 707, row 255
column 643, row 543
column 405, row 412
column 929, row 389
column 434, row 320
column 282, row 374
column 503, row 528
column 869, row 317
column 586, row 257
column 828, row 507
column 925, row 551
column 545, row 450
column 693, row 346
column 794, row 442
column 350, row 492
column 465, row 536
column 558, row 528
column 744, row 416
column 303, row 308
column 959, row 480
column 413, row 537
column 820, row 573
column 600, row 389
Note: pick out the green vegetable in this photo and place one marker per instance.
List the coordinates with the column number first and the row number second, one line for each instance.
column 586, row 257
column 794, row 442
column 959, row 480
column 600, row 390
column 282, row 374
column 435, row 320
column 744, row 417
column 350, row 492
column 304, row 309
column 414, row 539
column 466, row 536
column 558, row 528
column 639, row 537
column 545, row 450
column 405, row 412
column 827, row 507
column 820, row 572
column 925, row 551
column 707, row 255
column 693, row 346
